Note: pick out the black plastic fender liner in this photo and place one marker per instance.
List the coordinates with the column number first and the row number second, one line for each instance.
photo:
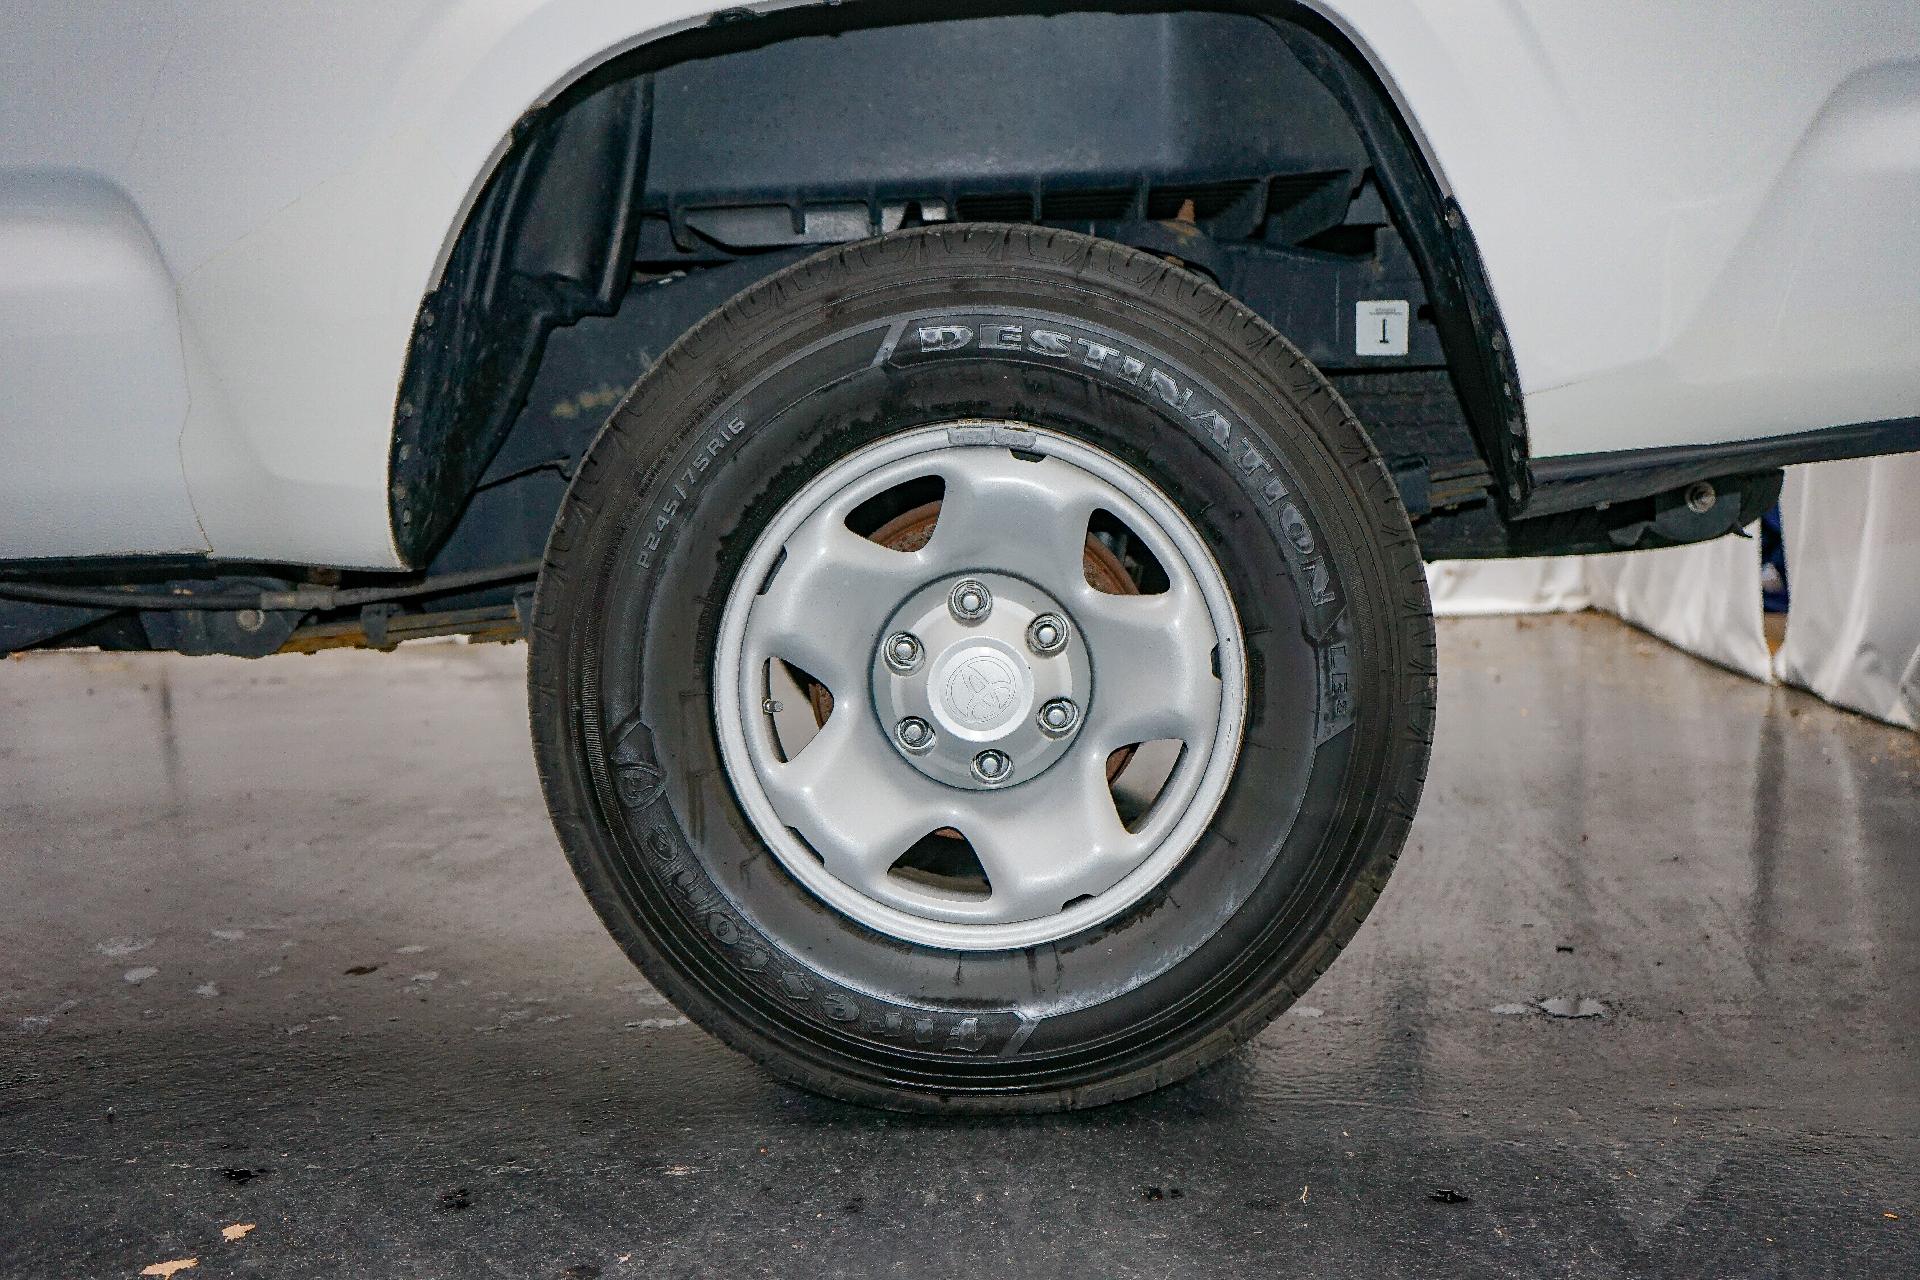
column 556, row 224
column 534, row 254
column 1479, row 354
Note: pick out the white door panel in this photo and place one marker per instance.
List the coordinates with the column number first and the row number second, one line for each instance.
column 93, row 391
column 1812, row 315
column 73, row 85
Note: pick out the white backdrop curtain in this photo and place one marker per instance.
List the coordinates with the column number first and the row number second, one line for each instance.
column 1853, row 565
column 1703, row 598
column 1555, row 584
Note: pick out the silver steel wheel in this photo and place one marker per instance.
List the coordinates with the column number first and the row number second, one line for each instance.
column 1026, row 681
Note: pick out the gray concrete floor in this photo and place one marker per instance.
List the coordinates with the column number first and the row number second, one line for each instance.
column 289, row 943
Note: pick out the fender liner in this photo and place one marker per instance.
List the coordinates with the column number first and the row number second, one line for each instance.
column 534, row 254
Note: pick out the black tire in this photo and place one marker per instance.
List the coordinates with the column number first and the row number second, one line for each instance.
column 1264, row 459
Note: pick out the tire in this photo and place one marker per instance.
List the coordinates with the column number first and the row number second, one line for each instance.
column 963, row 347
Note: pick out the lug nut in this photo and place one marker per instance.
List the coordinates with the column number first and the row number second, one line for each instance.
column 902, row 653
column 992, row 767
column 1047, row 634
column 970, row 600
column 1058, row 717
column 915, row 734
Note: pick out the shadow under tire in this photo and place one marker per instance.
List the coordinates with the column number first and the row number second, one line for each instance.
column 752, row 880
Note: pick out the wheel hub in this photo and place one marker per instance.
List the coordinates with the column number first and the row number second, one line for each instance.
column 978, row 692
column 983, row 682
column 1007, row 662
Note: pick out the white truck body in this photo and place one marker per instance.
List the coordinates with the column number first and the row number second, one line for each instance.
column 218, row 219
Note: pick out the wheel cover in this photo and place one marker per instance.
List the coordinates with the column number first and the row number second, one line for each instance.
column 1026, row 680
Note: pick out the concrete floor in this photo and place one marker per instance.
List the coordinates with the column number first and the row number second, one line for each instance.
column 288, row 943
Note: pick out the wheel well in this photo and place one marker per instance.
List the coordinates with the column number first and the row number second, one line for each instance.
column 1258, row 147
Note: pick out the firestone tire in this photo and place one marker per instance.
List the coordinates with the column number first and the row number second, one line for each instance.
column 1001, row 337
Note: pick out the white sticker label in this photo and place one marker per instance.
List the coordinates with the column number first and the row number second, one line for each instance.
column 1380, row 328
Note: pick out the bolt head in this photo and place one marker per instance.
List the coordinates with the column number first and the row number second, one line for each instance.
column 903, row 652
column 1058, row 717
column 970, row 601
column 992, row 767
column 1047, row 634
column 1701, row 497
column 914, row 734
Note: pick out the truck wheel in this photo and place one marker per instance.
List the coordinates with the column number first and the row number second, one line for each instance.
column 982, row 669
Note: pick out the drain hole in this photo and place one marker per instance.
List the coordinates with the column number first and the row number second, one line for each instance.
column 1128, row 567
column 1140, row 778
column 803, row 707
column 943, row 861
column 900, row 518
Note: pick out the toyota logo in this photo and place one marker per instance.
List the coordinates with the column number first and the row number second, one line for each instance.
column 981, row 691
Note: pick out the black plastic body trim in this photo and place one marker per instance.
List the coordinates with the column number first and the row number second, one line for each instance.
column 1588, row 479
column 1643, row 523
column 1465, row 314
